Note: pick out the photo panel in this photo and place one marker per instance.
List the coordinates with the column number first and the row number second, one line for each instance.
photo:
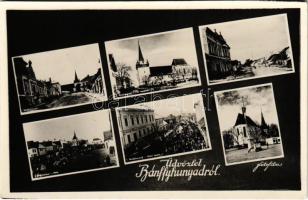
column 60, row 78
column 249, row 124
column 163, row 128
column 72, row 144
column 247, row 49
column 153, row 63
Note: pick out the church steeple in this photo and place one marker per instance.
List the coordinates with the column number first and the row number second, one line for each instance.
column 243, row 107
column 263, row 123
column 75, row 137
column 141, row 61
column 140, row 55
column 76, row 77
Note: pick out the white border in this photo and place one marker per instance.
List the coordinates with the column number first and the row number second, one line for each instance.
column 188, row 5
column 222, row 141
column 105, row 96
column 76, row 172
column 201, row 28
column 112, row 83
column 170, row 155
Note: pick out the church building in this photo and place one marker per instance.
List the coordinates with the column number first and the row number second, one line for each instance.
column 246, row 132
column 177, row 70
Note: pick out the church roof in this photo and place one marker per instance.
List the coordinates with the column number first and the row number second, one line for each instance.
column 179, row 61
column 160, row 70
column 241, row 119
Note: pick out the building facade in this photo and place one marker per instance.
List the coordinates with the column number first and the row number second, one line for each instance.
column 135, row 123
column 217, row 54
column 32, row 91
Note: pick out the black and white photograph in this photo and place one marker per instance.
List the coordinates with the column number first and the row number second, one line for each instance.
column 59, row 78
column 169, row 127
column 247, row 49
column 71, row 144
column 249, row 124
column 151, row 63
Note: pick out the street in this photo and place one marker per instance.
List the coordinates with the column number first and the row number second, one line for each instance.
column 240, row 155
column 73, row 99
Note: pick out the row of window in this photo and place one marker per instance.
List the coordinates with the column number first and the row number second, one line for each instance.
column 218, row 50
column 139, row 119
column 141, row 133
column 32, row 88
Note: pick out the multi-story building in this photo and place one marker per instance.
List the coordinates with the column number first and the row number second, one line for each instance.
column 32, row 91
column 135, row 123
column 217, row 54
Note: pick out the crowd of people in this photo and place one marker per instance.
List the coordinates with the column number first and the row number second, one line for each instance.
column 180, row 136
column 185, row 137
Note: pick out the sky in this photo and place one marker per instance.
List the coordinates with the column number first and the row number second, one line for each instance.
column 174, row 106
column 87, row 126
column 61, row 64
column 255, row 99
column 160, row 49
column 254, row 38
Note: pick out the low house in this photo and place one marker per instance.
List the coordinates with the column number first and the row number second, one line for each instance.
column 282, row 58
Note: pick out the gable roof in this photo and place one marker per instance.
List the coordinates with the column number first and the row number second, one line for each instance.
column 241, row 119
column 216, row 36
column 179, row 61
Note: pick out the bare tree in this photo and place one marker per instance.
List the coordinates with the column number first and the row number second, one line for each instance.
column 122, row 74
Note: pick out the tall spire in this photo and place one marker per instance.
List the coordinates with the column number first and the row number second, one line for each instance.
column 76, row 77
column 263, row 123
column 75, row 137
column 140, row 56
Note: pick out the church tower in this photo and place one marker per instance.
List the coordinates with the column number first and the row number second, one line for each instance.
column 142, row 67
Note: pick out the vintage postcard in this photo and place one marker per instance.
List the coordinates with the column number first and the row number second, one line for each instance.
column 70, row 145
column 247, row 49
column 153, row 63
column 60, row 78
column 249, row 124
column 169, row 127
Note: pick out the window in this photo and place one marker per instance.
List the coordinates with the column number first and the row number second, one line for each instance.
column 132, row 119
column 125, row 121
column 128, row 139
column 244, row 129
column 141, row 119
column 135, row 137
column 146, row 119
column 149, row 130
column 137, row 119
column 140, row 135
column 111, row 151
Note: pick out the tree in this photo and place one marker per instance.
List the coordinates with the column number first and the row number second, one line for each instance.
column 273, row 130
column 122, row 74
column 228, row 139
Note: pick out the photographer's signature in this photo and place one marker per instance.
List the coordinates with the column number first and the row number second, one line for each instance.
column 265, row 165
